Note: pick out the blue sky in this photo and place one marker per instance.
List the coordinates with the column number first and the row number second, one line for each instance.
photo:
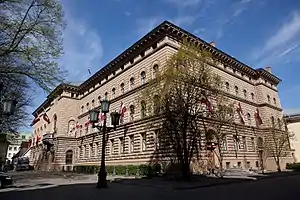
column 259, row 33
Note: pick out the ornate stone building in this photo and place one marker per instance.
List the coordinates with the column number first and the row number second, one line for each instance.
column 63, row 138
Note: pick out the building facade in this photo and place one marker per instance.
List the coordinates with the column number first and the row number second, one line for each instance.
column 15, row 145
column 293, row 125
column 63, row 137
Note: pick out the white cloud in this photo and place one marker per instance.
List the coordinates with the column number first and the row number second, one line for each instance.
column 188, row 20
column 282, row 45
column 284, row 34
column 83, row 49
column 184, row 3
column 127, row 13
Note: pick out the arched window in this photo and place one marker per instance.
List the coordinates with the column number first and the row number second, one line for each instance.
column 131, row 83
column 132, row 112
column 82, row 109
column 143, row 109
column 156, row 104
column 236, row 90
column 269, row 99
column 245, row 93
column 252, row 95
column 113, row 92
column 274, row 101
column 260, row 143
column 227, row 86
column 71, row 127
column 273, row 121
column 93, row 103
column 155, row 70
column 87, row 106
column 69, row 157
column 122, row 86
column 106, row 95
column 99, row 100
column 249, row 118
column 143, row 77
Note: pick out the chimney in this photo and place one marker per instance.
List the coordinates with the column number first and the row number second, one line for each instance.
column 212, row 43
column 268, row 69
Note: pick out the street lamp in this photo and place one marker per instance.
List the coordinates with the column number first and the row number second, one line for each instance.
column 94, row 118
column 8, row 106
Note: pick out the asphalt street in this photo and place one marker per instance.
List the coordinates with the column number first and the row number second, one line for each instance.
column 273, row 189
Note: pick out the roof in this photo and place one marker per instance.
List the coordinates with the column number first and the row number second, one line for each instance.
column 166, row 28
column 292, row 118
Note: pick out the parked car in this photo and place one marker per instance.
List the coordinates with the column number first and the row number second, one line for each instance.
column 5, row 180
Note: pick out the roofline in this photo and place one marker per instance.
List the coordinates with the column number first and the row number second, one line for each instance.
column 154, row 35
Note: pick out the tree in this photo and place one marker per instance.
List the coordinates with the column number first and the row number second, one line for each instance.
column 276, row 141
column 31, row 41
column 221, row 127
column 177, row 93
column 11, row 90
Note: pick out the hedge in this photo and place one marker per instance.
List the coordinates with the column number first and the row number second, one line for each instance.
column 293, row 166
column 127, row 170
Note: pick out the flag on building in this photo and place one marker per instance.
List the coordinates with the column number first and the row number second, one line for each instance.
column 240, row 113
column 207, row 103
column 122, row 112
column 46, row 118
column 35, row 120
column 257, row 117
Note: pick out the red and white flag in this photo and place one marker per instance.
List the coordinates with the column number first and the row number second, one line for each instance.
column 257, row 117
column 240, row 112
column 122, row 112
column 35, row 120
column 46, row 118
column 207, row 103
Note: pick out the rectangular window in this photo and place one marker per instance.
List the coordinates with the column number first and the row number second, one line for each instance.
column 121, row 145
column 111, row 147
column 227, row 165
column 239, row 164
column 131, row 144
column 224, row 144
column 144, row 141
column 253, row 144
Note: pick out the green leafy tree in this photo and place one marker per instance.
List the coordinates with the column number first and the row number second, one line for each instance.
column 31, row 41
column 175, row 94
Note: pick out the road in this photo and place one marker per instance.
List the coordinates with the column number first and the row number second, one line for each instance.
column 274, row 188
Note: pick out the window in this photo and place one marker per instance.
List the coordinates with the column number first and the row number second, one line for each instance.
column 143, row 141
column 256, row 164
column 279, row 123
column 132, row 112
column 155, row 70
column 23, row 136
column 234, row 71
column 121, row 140
column 131, row 144
column 252, row 96
column 249, row 118
column 250, row 79
column 156, row 105
column 54, row 122
column 239, row 164
column 156, row 138
column 96, row 149
column 227, row 165
column 122, row 88
column 111, row 147
column 248, row 165
column 224, row 144
column 143, row 77
column 99, row 100
column 10, row 148
column 253, row 144
column 245, row 93
column 131, row 83
column 274, row 101
column 273, row 121
column 93, row 103
column 106, row 95
column 227, row 86
column 269, row 100
column 236, row 90
column 113, row 91
column 87, row 106
column 244, row 142
column 143, row 109
column 69, row 157
column 9, row 154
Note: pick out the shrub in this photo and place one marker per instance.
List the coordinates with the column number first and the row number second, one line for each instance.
column 293, row 166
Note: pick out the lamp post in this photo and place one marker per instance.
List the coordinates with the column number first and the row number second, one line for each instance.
column 94, row 118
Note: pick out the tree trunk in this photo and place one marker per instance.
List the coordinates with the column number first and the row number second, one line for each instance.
column 278, row 165
column 186, row 174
